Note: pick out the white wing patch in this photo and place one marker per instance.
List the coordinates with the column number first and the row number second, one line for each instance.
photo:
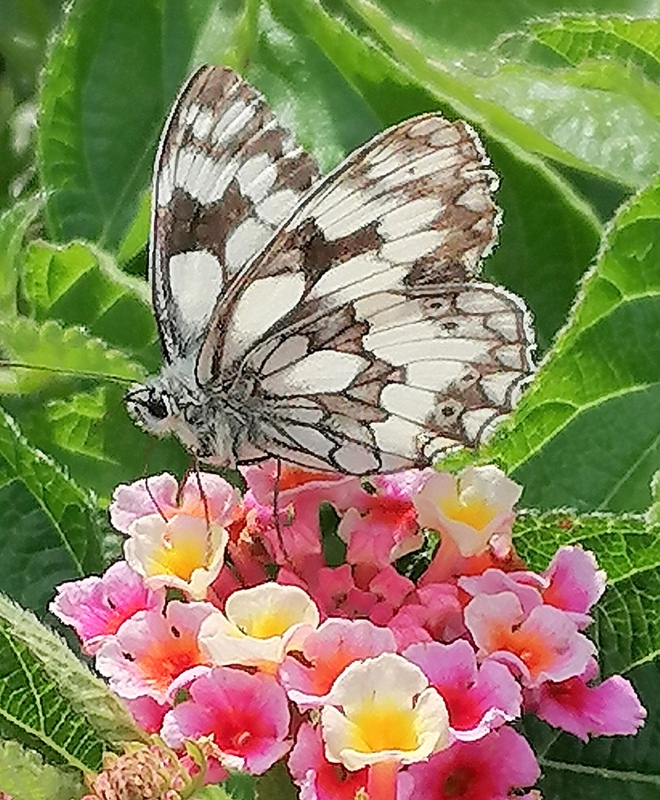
column 187, row 272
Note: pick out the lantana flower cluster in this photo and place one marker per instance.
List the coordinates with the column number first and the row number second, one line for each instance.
column 233, row 626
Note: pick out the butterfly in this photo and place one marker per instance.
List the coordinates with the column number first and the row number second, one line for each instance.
column 333, row 322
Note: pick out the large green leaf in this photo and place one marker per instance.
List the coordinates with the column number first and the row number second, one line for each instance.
column 595, row 123
column 24, row 776
column 546, row 244
column 472, row 24
column 50, row 528
column 586, row 433
column 78, row 284
column 52, row 702
column 111, row 75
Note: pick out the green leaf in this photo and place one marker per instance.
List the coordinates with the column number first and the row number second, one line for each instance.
column 653, row 513
column 13, row 227
column 50, row 527
column 48, row 349
column 585, row 434
column 212, row 793
column 624, row 767
column 111, row 75
column 24, row 776
column 52, row 702
column 90, row 433
column 449, row 27
column 580, row 38
column 78, row 284
column 577, row 123
column 544, row 244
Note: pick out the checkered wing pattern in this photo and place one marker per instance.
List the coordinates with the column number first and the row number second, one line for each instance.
column 227, row 175
column 361, row 331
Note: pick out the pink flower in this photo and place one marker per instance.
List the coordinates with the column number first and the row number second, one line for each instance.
column 296, row 541
column 246, row 717
column 155, row 653
column 527, row 586
column 326, row 652
column 432, row 612
column 318, row 778
column 388, row 527
column 544, row 645
column 158, row 495
column 487, row 769
column 478, row 700
column 574, row 583
column 610, row 709
column 96, row 607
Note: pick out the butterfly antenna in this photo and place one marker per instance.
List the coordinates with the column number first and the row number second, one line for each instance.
column 69, row 373
column 202, row 494
column 153, row 499
column 276, row 503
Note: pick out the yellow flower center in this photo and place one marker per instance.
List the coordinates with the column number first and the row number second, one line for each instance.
column 271, row 623
column 383, row 726
column 180, row 559
column 475, row 513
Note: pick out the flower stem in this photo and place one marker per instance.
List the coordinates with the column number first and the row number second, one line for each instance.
column 381, row 782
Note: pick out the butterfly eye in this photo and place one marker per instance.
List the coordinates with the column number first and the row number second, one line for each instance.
column 157, row 406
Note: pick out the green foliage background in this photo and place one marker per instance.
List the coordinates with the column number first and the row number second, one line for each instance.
column 568, row 104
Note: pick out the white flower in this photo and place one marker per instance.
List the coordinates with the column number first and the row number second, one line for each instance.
column 470, row 509
column 184, row 552
column 386, row 712
column 259, row 625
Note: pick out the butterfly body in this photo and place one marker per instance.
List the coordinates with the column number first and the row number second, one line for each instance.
column 333, row 322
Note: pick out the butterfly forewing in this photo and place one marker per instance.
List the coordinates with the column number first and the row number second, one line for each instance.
column 413, row 207
column 227, row 175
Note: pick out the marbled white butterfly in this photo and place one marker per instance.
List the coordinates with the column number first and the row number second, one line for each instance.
column 333, row 322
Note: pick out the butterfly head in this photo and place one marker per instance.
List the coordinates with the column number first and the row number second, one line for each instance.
column 166, row 405
column 152, row 408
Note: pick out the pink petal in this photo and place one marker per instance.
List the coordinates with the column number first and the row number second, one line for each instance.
column 575, row 582
column 610, row 709
column 478, row 700
column 488, row 769
column 494, row 581
column 317, row 778
column 153, row 495
column 327, row 651
column 96, row 607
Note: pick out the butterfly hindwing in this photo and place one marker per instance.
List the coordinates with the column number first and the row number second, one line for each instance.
column 393, row 379
column 227, row 174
